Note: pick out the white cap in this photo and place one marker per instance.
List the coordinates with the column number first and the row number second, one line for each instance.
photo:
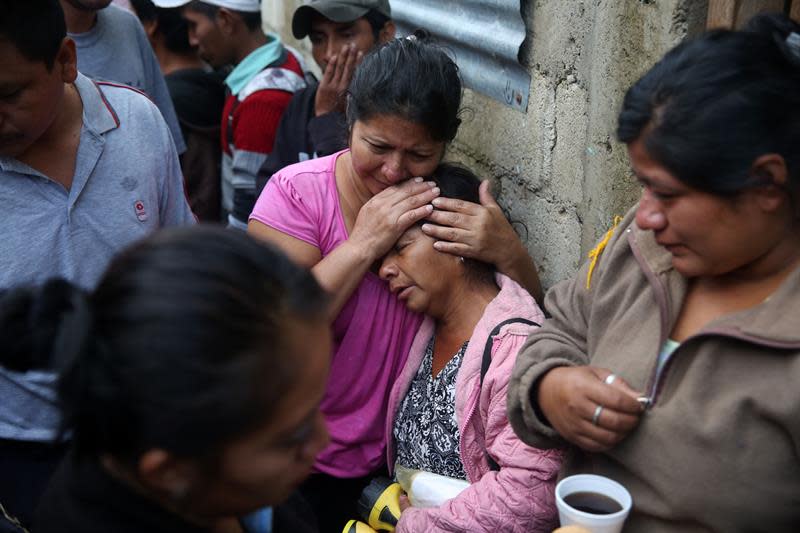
column 246, row 6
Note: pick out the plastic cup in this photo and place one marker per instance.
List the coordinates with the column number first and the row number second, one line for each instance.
column 596, row 523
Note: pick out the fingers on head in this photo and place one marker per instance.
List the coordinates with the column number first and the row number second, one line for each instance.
column 423, row 196
column 416, row 185
column 414, row 201
column 410, row 192
column 449, row 234
column 410, row 216
column 447, row 218
column 460, row 206
column 453, row 248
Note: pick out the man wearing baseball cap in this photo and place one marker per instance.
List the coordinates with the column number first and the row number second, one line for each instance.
column 341, row 32
column 265, row 76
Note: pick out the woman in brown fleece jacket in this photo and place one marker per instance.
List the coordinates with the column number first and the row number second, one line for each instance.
column 672, row 361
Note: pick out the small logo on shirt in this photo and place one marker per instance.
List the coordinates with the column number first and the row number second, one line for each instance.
column 141, row 214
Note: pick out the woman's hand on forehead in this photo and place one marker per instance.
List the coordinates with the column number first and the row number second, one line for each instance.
column 478, row 231
column 384, row 218
column 482, row 232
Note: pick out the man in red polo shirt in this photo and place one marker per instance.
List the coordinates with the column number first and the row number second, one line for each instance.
column 265, row 76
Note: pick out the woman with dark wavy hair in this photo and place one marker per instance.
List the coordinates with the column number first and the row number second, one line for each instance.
column 340, row 214
column 190, row 383
column 672, row 361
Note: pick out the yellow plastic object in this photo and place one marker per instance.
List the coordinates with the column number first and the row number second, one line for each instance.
column 594, row 254
column 571, row 529
column 356, row 526
column 386, row 510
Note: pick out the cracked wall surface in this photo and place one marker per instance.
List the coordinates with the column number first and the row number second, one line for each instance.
column 558, row 168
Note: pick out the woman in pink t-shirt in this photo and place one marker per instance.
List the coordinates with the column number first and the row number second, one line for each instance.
column 339, row 215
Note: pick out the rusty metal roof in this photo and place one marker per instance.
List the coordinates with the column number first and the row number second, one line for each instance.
column 484, row 36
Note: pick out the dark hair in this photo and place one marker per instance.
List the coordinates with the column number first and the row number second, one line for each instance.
column 252, row 20
column 412, row 78
column 460, row 183
column 180, row 347
column 714, row 104
column 170, row 24
column 35, row 27
column 146, row 10
column 377, row 21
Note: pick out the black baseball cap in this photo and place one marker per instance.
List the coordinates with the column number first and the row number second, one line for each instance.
column 335, row 10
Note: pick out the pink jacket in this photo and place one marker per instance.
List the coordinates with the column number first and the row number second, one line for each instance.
column 519, row 497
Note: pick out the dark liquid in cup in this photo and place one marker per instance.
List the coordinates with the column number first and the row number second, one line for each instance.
column 592, row 502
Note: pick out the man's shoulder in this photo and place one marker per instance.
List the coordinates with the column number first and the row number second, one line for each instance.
column 120, row 90
column 286, row 77
column 116, row 50
column 124, row 99
column 128, row 34
column 293, row 63
column 119, row 19
column 133, row 111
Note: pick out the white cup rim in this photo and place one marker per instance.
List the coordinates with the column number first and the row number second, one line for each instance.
column 626, row 504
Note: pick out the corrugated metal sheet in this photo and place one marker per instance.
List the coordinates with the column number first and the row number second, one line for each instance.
column 485, row 36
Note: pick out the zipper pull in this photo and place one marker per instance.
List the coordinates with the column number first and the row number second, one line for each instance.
column 644, row 401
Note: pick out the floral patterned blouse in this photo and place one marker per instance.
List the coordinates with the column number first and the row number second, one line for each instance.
column 425, row 430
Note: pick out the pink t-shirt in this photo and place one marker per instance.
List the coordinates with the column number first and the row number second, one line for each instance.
column 372, row 334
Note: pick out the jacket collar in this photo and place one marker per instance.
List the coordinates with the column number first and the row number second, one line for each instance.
column 657, row 257
column 255, row 62
column 773, row 323
column 776, row 321
column 511, row 302
column 98, row 114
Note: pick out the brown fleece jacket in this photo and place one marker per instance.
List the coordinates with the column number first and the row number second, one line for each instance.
column 718, row 449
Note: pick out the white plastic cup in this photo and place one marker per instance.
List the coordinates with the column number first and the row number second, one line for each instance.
column 596, row 523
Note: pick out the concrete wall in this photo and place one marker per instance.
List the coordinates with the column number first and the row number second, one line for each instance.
column 558, row 167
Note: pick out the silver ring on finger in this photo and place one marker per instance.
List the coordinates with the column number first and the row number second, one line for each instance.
column 610, row 379
column 596, row 415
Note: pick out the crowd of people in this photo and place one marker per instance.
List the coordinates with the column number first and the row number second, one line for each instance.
column 354, row 304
